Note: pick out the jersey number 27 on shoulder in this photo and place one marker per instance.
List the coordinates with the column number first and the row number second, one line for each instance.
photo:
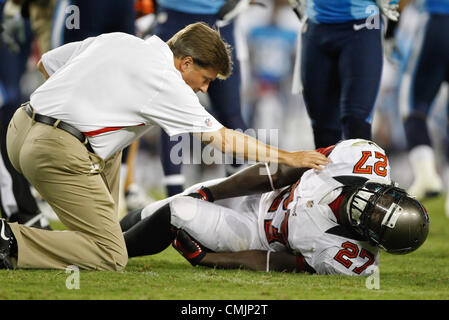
column 379, row 167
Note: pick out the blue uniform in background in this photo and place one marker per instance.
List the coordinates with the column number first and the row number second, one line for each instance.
column 210, row 7
column 270, row 76
column 278, row 44
column 95, row 17
column 436, row 6
column 341, row 67
column 337, row 11
column 224, row 95
column 428, row 67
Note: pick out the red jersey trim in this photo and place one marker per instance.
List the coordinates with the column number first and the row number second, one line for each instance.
column 335, row 206
column 326, row 151
column 107, row 129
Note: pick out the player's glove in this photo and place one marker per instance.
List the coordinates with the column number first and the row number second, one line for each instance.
column 13, row 34
column 231, row 9
column 391, row 48
column 203, row 194
column 299, row 7
column 389, row 8
column 188, row 248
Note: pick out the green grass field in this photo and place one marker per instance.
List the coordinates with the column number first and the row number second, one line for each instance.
column 421, row 275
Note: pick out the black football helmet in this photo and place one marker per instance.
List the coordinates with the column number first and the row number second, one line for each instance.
column 388, row 217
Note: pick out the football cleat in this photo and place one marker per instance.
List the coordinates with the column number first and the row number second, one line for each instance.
column 136, row 198
column 189, row 248
column 427, row 182
column 8, row 246
column 427, row 186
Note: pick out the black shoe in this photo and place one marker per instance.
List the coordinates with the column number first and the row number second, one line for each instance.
column 190, row 249
column 8, row 246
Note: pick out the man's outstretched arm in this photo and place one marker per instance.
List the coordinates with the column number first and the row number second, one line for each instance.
column 245, row 147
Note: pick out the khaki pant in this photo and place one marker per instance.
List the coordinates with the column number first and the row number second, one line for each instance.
column 81, row 188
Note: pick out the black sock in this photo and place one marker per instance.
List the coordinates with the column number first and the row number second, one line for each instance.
column 130, row 219
column 150, row 235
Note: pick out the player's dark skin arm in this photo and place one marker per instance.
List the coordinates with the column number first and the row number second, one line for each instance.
column 255, row 260
column 255, row 179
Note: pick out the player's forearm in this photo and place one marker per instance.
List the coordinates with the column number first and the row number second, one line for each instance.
column 255, row 260
column 248, row 181
column 258, row 178
column 251, row 260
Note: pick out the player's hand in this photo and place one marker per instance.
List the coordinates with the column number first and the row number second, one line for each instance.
column 307, row 159
column 231, row 9
column 203, row 194
column 390, row 8
column 392, row 51
column 299, row 7
column 13, row 34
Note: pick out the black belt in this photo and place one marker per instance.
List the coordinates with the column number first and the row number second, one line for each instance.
column 61, row 125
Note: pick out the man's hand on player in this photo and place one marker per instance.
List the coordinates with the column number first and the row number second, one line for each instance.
column 307, row 159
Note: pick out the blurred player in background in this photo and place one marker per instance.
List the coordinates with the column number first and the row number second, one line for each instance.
column 427, row 69
column 16, row 199
column 332, row 221
column 271, row 31
column 341, row 65
column 224, row 96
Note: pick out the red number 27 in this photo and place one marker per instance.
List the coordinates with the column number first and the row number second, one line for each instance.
column 379, row 168
column 350, row 251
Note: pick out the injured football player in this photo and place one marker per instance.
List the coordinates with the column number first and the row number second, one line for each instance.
column 331, row 221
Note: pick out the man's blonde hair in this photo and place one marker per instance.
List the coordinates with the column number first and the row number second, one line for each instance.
column 205, row 46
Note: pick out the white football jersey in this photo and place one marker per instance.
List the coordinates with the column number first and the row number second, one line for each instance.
column 300, row 219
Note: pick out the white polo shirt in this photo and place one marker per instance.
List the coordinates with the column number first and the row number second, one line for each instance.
column 114, row 87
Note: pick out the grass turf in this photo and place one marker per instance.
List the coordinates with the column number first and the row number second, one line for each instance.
column 423, row 274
